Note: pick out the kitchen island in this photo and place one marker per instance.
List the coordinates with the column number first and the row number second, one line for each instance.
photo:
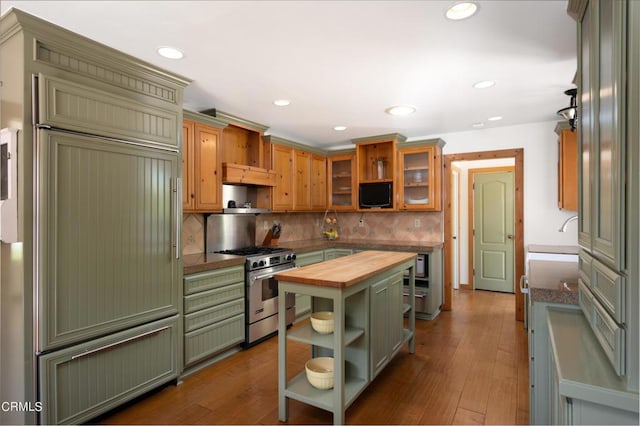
column 365, row 293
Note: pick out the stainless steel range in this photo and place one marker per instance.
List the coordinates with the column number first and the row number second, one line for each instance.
column 261, row 290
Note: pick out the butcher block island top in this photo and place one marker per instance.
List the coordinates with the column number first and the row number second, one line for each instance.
column 346, row 271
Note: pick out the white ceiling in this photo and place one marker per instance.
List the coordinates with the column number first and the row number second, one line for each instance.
column 345, row 62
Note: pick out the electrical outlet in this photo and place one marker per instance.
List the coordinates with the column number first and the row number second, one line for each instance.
column 265, row 225
column 361, row 223
column 416, row 223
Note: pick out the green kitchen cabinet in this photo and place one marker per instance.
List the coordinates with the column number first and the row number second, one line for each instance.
column 214, row 319
column 608, row 107
column 582, row 387
column 387, row 309
column 303, row 302
column 335, row 253
column 79, row 207
column 82, row 381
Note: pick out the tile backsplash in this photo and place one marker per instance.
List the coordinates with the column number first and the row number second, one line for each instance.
column 400, row 226
column 193, row 233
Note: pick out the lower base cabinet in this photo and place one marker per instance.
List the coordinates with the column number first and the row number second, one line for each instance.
column 84, row 381
column 582, row 387
column 386, row 321
column 214, row 318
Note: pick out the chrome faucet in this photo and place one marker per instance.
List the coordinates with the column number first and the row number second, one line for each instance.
column 563, row 228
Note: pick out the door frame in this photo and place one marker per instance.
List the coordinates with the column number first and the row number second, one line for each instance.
column 471, row 209
column 518, row 155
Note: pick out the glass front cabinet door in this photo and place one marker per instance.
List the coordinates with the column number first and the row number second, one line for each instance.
column 420, row 177
column 342, row 182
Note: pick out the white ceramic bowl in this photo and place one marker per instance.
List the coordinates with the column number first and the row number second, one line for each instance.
column 320, row 372
column 322, row 322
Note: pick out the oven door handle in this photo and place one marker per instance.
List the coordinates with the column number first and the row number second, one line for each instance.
column 271, row 274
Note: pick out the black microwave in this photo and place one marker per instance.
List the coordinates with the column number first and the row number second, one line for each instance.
column 375, row 195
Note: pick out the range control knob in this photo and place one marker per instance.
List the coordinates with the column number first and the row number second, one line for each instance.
column 262, row 263
column 287, row 257
column 293, row 257
column 254, row 265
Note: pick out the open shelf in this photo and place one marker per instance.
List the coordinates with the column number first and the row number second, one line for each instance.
column 300, row 389
column 306, row 334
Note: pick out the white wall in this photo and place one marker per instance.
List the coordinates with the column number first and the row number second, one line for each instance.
column 542, row 218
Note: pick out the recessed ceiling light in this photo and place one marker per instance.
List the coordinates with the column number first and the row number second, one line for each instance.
column 461, row 10
column 485, row 84
column 478, row 125
column 496, row 118
column 400, row 110
column 281, row 102
column 340, row 128
column 170, row 52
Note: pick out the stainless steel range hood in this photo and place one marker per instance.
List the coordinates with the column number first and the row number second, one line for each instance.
column 241, row 199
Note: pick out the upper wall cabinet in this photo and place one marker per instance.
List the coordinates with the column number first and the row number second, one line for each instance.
column 567, row 167
column 420, row 175
column 201, row 185
column 341, row 172
column 242, row 151
column 414, row 170
column 376, row 159
column 300, row 176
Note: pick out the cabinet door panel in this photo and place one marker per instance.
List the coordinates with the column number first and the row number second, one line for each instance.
column 83, row 381
column 283, row 166
column 609, row 155
column 318, row 182
column 106, row 222
column 188, row 159
column 207, row 168
column 302, row 180
column 586, row 122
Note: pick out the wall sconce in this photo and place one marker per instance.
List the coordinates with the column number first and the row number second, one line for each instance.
column 570, row 113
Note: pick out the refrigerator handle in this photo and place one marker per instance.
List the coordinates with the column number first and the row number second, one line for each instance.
column 177, row 192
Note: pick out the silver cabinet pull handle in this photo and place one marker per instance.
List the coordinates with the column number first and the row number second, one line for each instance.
column 121, row 342
column 178, row 195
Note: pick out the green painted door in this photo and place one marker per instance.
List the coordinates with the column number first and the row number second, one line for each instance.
column 493, row 203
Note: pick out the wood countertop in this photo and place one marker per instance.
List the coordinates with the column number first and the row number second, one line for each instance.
column 346, row 271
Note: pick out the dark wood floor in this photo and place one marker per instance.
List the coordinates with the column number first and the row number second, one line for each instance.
column 470, row 367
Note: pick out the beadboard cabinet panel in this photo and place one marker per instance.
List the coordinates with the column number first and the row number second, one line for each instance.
column 83, row 381
column 88, row 289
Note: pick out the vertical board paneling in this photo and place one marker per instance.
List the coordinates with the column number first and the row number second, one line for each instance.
column 76, row 390
column 108, row 262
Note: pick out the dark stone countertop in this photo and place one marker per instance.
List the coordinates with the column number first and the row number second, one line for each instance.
column 553, row 281
column 201, row 262
column 193, row 263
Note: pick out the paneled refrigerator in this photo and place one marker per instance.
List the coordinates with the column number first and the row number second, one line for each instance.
column 90, row 300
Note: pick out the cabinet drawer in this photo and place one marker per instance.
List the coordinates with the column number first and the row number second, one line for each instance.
column 212, row 339
column 83, row 381
column 214, row 314
column 217, row 296
column 611, row 338
column 609, row 334
column 584, row 265
column 195, row 283
column 609, row 288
